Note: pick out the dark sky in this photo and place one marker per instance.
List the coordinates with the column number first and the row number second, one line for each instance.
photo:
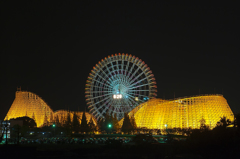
column 50, row 48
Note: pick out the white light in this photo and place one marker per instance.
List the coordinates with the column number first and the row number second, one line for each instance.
column 136, row 98
column 117, row 96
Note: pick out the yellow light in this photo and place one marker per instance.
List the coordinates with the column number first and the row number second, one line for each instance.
column 181, row 113
column 31, row 105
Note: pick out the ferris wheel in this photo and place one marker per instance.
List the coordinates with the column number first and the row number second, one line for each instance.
column 117, row 84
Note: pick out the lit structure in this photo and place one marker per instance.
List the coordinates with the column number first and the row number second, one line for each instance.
column 181, row 112
column 114, row 84
column 31, row 105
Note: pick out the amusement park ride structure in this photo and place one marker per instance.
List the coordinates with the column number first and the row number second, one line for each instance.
column 181, row 113
column 31, row 105
column 117, row 84
column 123, row 83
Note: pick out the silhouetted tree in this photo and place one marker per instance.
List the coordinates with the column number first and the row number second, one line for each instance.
column 159, row 132
column 62, row 120
column 189, row 131
column 75, row 123
column 133, row 122
column 116, row 126
column 57, row 121
column 106, row 124
column 224, row 122
column 29, row 122
column 45, row 120
column 84, row 125
column 237, row 120
column 203, row 126
column 68, row 122
column 92, row 126
column 100, row 124
column 51, row 118
column 127, row 126
column 177, row 130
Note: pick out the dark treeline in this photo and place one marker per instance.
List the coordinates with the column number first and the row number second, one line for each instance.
column 110, row 125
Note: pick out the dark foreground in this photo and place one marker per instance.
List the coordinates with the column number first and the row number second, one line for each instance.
column 116, row 150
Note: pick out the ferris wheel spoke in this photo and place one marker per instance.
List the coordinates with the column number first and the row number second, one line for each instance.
column 138, row 86
column 101, row 82
column 107, row 102
column 97, row 87
column 138, row 82
column 122, row 65
column 134, row 79
column 130, row 72
column 128, row 103
column 101, row 96
column 101, row 85
column 109, row 72
column 105, row 74
column 99, row 107
column 104, row 79
column 113, row 70
column 131, row 98
column 107, row 110
column 127, row 67
column 100, row 91
column 117, row 70
column 95, row 112
column 132, row 76
column 124, row 79
column 116, row 77
column 134, row 97
column 138, row 95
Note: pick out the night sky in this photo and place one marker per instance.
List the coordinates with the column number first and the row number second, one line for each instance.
column 50, row 48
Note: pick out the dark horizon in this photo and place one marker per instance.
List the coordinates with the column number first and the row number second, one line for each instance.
column 49, row 49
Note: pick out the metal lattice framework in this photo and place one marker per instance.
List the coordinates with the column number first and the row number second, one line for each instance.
column 31, row 105
column 182, row 112
column 117, row 84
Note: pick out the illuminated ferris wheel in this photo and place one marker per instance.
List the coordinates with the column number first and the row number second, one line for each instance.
column 117, row 84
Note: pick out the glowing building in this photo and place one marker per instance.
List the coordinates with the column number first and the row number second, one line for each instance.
column 31, row 105
column 181, row 112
